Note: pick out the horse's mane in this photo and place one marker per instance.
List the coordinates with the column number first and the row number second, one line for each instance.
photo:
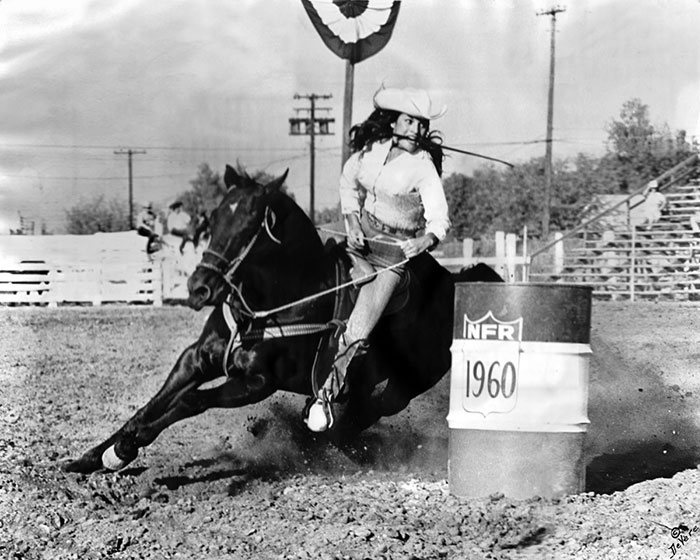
column 291, row 261
column 298, row 226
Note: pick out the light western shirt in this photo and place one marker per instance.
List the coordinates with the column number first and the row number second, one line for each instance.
column 405, row 193
column 178, row 220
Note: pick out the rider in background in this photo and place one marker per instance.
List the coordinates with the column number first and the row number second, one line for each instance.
column 178, row 224
column 201, row 229
column 394, row 208
column 147, row 226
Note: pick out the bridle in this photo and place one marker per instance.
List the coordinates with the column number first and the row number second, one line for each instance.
column 225, row 267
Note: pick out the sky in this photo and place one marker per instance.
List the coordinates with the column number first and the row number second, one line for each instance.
column 213, row 82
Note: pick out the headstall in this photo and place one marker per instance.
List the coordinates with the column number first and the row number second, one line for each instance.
column 227, row 268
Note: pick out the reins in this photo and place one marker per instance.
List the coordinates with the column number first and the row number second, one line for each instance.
column 226, row 268
column 312, row 297
column 266, row 313
column 229, row 268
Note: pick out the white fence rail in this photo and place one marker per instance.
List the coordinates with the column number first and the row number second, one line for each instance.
column 94, row 269
column 507, row 262
column 114, row 268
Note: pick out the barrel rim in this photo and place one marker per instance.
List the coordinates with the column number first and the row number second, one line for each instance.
column 528, row 284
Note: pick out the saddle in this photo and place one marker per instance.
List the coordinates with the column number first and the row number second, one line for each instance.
column 345, row 302
column 349, row 270
column 417, row 279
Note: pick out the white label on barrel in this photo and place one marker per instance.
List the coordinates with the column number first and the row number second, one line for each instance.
column 492, row 374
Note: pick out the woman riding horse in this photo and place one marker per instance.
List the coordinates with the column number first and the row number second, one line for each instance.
column 273, row 288
column 394, row 208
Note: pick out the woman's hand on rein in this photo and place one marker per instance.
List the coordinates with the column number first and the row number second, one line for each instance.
column 414, row 247
column 356, row 239
column 355, row 236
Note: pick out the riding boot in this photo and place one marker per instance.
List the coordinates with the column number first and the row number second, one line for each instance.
column 320, row 417
column 153, row 244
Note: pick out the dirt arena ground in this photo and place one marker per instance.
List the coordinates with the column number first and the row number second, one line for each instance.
column 252, row 483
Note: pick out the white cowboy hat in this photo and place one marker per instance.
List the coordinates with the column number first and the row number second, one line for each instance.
column 411, row 101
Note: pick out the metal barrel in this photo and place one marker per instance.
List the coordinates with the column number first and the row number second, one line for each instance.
column 519, row 389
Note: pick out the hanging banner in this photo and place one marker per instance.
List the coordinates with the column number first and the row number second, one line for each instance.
column 353, row 29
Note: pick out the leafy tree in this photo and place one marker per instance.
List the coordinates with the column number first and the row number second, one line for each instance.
column 206, row 192
column 328, row 215
column 492, row 200
column 637, row 151
column 576, row 181
column 97, row 215
column 207, row 189
column 499, row 199
column 457, row 188
column 632, row 134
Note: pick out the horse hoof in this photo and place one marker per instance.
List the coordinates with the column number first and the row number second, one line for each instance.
column 112, row 461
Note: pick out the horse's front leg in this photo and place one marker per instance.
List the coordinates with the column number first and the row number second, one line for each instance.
column 121, row 448
column 243, row 389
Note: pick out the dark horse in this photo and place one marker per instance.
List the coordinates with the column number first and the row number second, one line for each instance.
column 273, row 285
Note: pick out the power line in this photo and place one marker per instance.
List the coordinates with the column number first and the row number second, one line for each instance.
column 154, row 148
column 95, row 178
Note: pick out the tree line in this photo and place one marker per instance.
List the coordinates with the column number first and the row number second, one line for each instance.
column 492, row 198
column 495, row 199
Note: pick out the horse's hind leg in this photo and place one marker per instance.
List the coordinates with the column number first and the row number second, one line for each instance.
column 187, row 374
column 365, row 408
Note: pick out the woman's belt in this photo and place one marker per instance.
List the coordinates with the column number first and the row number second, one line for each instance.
column 381, row 226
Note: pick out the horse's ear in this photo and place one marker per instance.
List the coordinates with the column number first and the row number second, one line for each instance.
column 276, row 184
column 231, row 177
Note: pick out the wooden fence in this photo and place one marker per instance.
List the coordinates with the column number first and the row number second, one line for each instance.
column 77, row 269
column 114, row 268
column 506, row 260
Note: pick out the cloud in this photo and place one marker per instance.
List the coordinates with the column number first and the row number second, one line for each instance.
column 214, row 82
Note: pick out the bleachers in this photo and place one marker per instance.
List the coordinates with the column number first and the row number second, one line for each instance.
column 623, row 257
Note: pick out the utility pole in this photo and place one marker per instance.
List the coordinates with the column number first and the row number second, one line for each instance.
column 130, row 153
column 307, row 125
column 552, row 12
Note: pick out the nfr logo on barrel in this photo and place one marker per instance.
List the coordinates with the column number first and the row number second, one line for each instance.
column 490, row 375
column 518, row 389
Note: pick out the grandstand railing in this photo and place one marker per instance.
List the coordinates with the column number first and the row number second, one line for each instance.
column 626, row 260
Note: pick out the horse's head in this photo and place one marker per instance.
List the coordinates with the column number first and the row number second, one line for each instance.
column 235, row 226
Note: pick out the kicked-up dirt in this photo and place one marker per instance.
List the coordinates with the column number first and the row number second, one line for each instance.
column 253, row 483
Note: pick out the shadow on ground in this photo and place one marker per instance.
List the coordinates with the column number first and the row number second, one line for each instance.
column 612, row 472
column 641, row 428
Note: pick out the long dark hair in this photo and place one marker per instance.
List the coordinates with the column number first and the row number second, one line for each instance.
column 377, row 127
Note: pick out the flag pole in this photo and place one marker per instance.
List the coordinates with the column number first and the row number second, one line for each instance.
column 347, row 110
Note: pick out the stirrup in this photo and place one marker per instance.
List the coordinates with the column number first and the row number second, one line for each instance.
column 320, row 415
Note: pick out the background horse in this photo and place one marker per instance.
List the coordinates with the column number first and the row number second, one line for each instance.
column 274, row 288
